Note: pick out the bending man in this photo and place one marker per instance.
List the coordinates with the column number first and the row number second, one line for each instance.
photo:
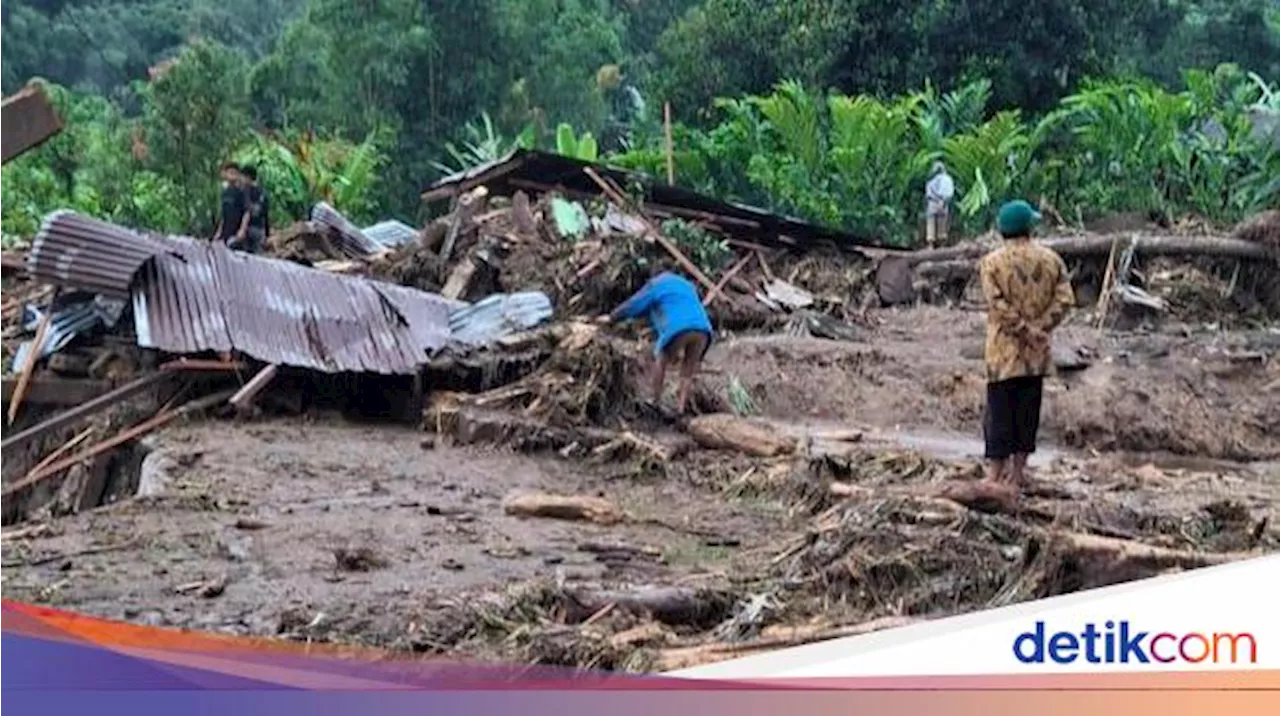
column 676, row 314
column 1028, row 294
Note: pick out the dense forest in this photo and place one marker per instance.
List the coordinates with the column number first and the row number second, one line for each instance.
column 829, row 109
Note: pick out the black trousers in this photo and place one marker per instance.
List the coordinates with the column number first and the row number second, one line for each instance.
column 1012, row 417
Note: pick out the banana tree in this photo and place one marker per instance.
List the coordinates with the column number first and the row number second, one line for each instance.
column 576, row 146
column 483, row 144
column 301, row 171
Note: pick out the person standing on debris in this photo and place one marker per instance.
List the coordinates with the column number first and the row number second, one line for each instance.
column 232, row 222
column 675, row 312
column 1028, row 294
column 258, row 210
column 937, row 197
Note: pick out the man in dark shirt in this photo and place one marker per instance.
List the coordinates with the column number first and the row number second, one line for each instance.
column 231, row 223
column 258, row 206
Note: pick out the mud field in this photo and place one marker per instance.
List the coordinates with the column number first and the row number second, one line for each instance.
column 1161, row 455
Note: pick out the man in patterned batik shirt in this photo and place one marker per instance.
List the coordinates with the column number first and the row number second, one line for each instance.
column 1028, row 294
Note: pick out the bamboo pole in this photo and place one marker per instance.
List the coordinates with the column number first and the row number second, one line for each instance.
column 671, row 160
column 29, row 365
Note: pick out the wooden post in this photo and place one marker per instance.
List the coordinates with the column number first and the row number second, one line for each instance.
column 671, row 160
column 29, row 364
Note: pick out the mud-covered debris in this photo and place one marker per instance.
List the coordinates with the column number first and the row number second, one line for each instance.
column 251, row 524
column 359, row 559
column 563, row 507
column 206, row 588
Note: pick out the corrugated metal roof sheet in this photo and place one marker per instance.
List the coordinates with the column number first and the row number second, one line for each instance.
column 200, row 296
column 351, row 240
column 77, row 252
column 64, row 326
column 391, row 233
column 531, row 167
column 489, row 319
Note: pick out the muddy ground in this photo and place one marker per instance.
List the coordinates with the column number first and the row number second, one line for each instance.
column 1163, row 451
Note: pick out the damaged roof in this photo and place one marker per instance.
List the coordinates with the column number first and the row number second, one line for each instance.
column 192, row 296
column 535, row 171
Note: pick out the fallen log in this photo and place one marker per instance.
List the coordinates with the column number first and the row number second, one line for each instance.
column 775, row 637
column 1100, row 246
column 722, row 431
column 563, row 507
column 897, row 274
column 1109, row 560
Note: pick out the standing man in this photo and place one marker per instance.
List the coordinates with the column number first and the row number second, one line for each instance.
column 234, row 212
column 937, row 200
column 1028, row 294
column 675, row 312
column 258, row 206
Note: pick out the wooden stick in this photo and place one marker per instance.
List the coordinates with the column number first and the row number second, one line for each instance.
column 724, row 280
column 146, row 426
column 670, row 248
column 29, row 365
column 101, row 402
column 66, row 447
column 764, row 266
column 256, row 384
column 671, row 161
column 1108, row 276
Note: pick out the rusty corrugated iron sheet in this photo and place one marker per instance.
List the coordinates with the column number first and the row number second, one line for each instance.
column 195, row 296
column 89, row 255
column 499, row 315
column 351, row 240
column 29, row 120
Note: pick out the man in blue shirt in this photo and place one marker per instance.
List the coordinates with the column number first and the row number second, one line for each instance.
column 675, row 312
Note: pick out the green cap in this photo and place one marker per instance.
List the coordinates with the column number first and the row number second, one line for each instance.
column 1016, row 219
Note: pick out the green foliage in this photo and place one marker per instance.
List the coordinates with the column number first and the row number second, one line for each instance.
column 300, row 171
column 709, row 252
column 1116, row 146
column 483, row 145
column 577, row 146
column 448, row 84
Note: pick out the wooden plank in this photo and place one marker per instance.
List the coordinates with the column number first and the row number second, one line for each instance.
column 49, row 390
column 256, row 384
column 665, row 243
column 92, row 407
column 146, row 426
column 29, row 120
column 29, row 366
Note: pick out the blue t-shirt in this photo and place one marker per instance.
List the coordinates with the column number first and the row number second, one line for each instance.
column 672, row 306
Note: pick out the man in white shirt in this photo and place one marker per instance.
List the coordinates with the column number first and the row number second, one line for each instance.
column 937, row 196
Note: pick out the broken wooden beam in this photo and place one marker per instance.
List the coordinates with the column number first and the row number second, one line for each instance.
column 53, row 390
column 725, row 279
column 113, row 397
column 244, row 397
column 663, row 241
column 157, row 421
column 29, row 366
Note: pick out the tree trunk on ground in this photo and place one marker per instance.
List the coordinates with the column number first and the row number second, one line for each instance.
column 722, row 431
column 563, row 507
column 897, row 275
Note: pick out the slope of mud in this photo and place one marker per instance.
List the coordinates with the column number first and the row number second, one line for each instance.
column 1208, row 394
